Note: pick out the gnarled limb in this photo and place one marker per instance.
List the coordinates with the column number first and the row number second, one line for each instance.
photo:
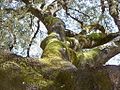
column 100, row 55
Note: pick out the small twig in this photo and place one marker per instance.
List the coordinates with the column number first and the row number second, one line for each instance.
column 31, row 22
column 80, row 12
column 76, row 19
column 29, row 46
column 103, row 6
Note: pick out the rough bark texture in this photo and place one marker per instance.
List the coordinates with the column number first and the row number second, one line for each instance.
column 63, row 66
column 55, row 72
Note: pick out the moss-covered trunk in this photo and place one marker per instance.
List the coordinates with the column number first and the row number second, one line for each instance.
column 27, row 74
column 60, row 68
column 64, row 65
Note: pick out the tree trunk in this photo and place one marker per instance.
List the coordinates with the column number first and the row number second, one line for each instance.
column 64, row 65
column 18, row 73
column 60, row 68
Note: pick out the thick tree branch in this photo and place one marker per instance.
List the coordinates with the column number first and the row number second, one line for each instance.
column 97, row 39
column 109, row 51
column 88, row 41
column 100, row 55
column 40, row 64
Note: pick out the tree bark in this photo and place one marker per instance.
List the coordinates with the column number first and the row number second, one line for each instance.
column 62, row 66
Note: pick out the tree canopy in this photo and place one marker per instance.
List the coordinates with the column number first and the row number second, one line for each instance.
column 81, row 36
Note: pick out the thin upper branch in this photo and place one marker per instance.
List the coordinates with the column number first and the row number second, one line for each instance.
column 29, row 46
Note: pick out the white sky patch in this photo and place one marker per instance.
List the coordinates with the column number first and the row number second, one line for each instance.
column 14, row 4
column 35, row 49
column 48, row 1
column 42, row 27
column 114, row 60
